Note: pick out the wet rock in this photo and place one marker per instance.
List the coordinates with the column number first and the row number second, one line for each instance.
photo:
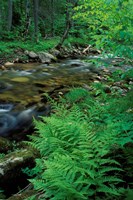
column 13, row 160
column 11, row 175
column 87, row 87
column 55, row 52
column 21, row 79
column 23, row 195
column 32, row 55
column 118, row 83
column 96, row 81
column 7, row 64
column 26, row 52
column 117, row 89
column 46, row 57
column 2, row 67
column 130, row 82
column 4, row 86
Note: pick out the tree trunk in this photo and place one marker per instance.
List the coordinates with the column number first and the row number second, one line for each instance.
column 0, row 19
column 27, row 25
column 9, row 23
column 36, row 5
column 68, row 26
column 69, row 14
column 52, row 18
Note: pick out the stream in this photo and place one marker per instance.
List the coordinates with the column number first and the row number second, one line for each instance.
column 22, row 88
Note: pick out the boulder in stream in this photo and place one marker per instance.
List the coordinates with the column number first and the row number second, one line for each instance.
column 7, row 64
column 32, row 55
column 46, row 57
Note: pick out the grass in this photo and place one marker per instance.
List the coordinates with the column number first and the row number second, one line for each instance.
column 43, row 45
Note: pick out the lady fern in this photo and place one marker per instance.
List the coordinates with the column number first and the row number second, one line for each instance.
column 75, row 161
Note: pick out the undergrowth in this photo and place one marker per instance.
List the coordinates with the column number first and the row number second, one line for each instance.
column 84, row 148
column 9, row 46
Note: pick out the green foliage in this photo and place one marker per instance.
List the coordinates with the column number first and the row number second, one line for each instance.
column 120, row 75
column 109, row 24
column 2, row 155
column 106, row 24
column 75, row 41
column 76, row 144
column 9, row 47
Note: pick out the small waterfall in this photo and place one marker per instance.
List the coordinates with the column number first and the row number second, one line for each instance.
column 5, row 108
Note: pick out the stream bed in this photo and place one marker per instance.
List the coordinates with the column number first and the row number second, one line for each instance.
column 22, row 87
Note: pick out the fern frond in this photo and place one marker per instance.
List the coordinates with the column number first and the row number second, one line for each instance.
column 108, row 169
column 75, row 147
column 76, row 94
column 109, row 190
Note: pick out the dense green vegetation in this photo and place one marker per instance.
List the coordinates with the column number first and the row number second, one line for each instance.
column 85, row 146
column 88, row 153
column 109, row 23
column 102, row 23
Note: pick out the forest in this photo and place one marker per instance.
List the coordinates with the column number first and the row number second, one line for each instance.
column 102, row 23
column 66, row 99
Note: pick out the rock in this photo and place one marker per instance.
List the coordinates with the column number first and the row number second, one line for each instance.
column 130, row 83
column 4, row 86
column 55, row 52
column 105, row 70
column 119, row 83
column 46, row 57
column 2, row 67
column 26, row 52
column 117, row 89
column 32, row 55
column 95, row 81
column 13, row 160
column 87, row 87
column 20, row 79
column 16, row 60
column 7, row 64
column 11, row 166
column 23, row 194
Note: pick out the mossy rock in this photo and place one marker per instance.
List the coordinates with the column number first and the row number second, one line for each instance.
column 23, row 195
column 21, row 79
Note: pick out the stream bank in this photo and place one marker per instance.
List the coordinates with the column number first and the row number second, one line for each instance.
column 22, row 88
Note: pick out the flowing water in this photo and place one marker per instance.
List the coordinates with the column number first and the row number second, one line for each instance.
column 22, row 87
